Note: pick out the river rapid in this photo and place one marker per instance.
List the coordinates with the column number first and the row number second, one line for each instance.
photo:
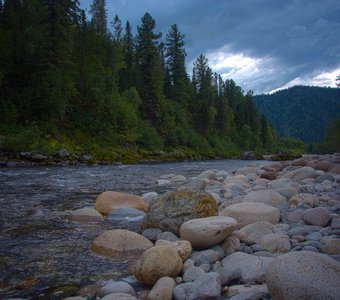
column 41, row 250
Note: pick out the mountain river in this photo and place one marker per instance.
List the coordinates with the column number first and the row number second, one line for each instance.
column 40, row 250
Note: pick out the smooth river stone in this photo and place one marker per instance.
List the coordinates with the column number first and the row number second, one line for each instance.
column 120, row 242
column 108, row 201
column 251, row 212
column 303, row 275
column 205, row 232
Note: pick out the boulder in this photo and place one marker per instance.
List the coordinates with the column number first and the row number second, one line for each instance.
column 287, row 191
column 330, row 245
column 319, row 216
column 151, row 234
column 167, row 236
column 148, row 197
column 206, row 286
column 304, row 275
column 171, row 210
column 109, row 201
column 116, row 287
column 323, row 165
column 269, row 197
column 275, row 242
column 295, row 216
column 304, row 198
column 253, row 268
column 86, row 214
column 182, row 247
column 120, row 242
column 301, row 173
column 269, row 175
column 247, row 292
column 178, row 179
column 205, row 232
column 335, row 169
column 251, row 212
column 163, row 289
column 126, row 218
column 119, row 296
column 210, row 175
column 207, row 256
column 254, row 232
column 196, row 184
column 231, row 244
column 191, row 274
column 158, row 262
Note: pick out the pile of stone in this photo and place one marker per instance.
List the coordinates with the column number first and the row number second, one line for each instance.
column 262, row 232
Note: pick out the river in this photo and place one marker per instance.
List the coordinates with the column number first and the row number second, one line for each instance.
column 40, row 250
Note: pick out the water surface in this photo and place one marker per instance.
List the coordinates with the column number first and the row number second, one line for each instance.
column 40, row 250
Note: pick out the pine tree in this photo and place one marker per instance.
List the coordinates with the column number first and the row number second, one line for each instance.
column 128, row 74
column 204, row 109
column 150, row 74
column 99, row 17
column 177, row 75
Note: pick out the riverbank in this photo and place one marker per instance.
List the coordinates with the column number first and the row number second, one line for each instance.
column 265, row 224
column 63, row 158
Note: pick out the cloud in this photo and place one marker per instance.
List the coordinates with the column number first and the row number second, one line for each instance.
column 321, row 79
column 264, row 44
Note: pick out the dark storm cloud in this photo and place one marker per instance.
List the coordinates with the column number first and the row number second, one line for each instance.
column 287, row 40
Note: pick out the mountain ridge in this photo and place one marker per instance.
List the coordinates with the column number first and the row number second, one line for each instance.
column 303, row 112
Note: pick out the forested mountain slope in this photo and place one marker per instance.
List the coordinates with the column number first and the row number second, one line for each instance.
column 303, row 112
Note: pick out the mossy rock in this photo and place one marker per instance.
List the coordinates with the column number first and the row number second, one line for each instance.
column 171, row 210
column 286, row 155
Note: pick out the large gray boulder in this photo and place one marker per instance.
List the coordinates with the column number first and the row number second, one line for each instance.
column 171, row 210
column 304, row 275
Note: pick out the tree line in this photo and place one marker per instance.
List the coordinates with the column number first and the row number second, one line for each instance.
column 69, row 80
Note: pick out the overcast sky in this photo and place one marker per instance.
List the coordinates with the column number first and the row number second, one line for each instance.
column 263, row 45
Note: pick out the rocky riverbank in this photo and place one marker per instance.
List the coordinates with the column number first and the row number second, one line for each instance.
column 262, row 232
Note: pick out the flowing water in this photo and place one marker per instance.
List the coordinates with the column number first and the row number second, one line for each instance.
column 40, row 250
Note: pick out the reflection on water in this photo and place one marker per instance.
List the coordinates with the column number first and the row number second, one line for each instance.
column 40, row 250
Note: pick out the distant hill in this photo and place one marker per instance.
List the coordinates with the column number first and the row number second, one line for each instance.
column 303, row 112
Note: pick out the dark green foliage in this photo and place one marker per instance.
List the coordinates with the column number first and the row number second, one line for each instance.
column 331, row 143
column 301, row 112
column 69, row 82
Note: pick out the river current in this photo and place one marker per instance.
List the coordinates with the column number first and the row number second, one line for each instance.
column 40, row 250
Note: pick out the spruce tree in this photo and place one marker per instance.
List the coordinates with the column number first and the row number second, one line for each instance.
column 177, row 75
column 204, row 108
column 150, row 73
column 99, row 17
column 128, row 74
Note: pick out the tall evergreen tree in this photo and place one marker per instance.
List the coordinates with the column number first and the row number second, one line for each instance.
column 178, row 77
column 99, row 16
column 204, row 107
column 150, row 73
column 128, row 74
